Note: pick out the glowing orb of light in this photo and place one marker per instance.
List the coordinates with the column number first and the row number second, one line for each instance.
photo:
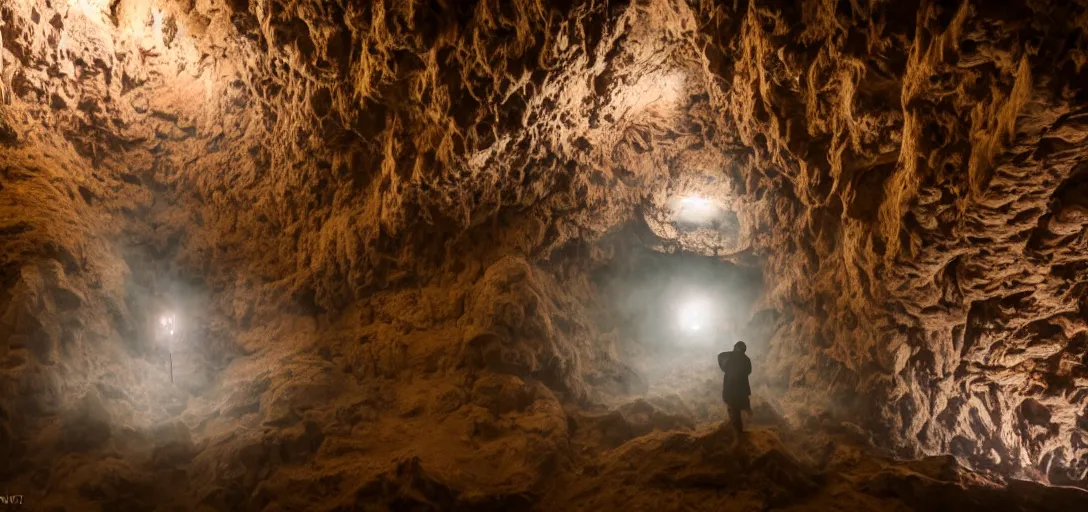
column 697, row 210
column 168, row 323
column 694, row 314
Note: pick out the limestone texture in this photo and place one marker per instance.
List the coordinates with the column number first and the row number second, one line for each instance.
column 405, row 243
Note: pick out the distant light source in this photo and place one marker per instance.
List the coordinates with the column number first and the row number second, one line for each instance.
column 169, row 326
column 697, row 210
column 694, row 314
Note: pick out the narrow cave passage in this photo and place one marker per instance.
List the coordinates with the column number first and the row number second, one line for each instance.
column 672, row 314
column 481, row 255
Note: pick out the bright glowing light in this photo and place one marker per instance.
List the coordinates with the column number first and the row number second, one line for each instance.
column 168, row 323
column 694, row 314
column 697, row 210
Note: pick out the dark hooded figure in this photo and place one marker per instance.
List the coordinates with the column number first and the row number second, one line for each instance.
column 735, row 388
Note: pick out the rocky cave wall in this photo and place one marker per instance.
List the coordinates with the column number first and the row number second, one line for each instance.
column 379, row 207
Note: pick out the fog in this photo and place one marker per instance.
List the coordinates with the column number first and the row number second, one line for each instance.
column 674, row 313
column 169, row 320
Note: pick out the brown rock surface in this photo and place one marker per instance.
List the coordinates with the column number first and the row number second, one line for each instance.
column 418, row 252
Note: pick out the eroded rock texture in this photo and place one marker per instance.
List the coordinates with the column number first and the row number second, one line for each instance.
column 383, row 227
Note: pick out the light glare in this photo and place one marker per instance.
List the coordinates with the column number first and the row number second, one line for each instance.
column 694, row 314
column 697, row 210
column 168, row 323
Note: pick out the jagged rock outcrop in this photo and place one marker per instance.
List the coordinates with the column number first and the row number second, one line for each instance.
column 383, row 226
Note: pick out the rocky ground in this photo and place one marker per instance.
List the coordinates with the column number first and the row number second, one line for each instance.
column 390, row 233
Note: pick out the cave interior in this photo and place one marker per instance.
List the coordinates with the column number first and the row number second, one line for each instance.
column 482, row 255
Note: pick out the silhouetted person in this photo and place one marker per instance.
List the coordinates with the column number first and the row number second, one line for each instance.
column 735, row 388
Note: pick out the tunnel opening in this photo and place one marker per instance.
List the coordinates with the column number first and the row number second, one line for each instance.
column 673, row 313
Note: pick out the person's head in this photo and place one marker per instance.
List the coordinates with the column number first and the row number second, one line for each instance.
column 740, row 347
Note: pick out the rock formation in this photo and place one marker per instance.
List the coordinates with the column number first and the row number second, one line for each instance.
column 403, row 241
